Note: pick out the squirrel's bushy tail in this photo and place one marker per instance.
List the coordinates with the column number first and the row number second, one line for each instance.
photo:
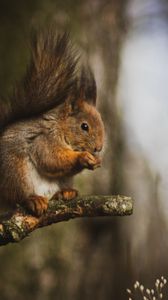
column 49, row 80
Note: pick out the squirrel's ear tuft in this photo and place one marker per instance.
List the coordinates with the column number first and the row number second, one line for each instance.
column 87, row 86
column 85, row 92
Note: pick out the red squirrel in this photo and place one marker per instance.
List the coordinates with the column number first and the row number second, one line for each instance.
column 50, row 129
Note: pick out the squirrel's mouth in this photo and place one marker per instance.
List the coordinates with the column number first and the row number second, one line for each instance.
column 77, row 148
column 81, row 149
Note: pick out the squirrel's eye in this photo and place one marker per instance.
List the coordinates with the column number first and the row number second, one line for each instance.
column 85, row 126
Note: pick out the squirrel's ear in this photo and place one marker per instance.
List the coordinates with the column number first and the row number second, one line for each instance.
column 85, row 92
column 87, row 86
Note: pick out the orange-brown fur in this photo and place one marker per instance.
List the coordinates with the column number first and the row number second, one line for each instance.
column 51, row 130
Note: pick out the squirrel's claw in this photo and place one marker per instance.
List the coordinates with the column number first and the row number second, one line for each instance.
column 87, row 160
column 37, row 204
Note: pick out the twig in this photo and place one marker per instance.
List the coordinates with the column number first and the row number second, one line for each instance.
column 16, row 225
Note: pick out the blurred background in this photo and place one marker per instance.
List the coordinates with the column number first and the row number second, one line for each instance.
column 126, row 44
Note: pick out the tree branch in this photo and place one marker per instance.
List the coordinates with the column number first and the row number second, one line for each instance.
column 16, row 225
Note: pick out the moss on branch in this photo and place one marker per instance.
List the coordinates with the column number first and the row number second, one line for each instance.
column 16, row 225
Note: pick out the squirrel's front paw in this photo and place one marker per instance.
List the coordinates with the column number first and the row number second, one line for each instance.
column 87, row 160
column 37, row 204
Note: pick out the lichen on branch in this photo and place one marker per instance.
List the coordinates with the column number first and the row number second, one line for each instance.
column 16, row 225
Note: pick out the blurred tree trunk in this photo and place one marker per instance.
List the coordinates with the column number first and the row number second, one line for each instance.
column 103, row 268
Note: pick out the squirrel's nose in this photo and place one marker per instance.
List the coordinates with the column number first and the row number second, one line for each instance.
column 98, row 149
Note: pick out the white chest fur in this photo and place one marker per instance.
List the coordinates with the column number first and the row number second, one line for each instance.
column 39, row 185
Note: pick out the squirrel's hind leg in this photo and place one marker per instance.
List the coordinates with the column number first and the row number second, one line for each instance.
column 19, row 186
column 36, row 204
column 65, row 194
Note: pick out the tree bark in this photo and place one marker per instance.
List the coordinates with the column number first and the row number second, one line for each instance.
column 16, row 225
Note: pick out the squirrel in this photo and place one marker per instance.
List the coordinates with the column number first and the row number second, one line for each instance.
column 50, row 129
